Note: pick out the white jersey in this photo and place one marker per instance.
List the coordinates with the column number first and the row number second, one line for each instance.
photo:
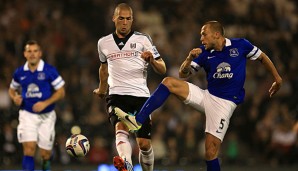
column 127, row 70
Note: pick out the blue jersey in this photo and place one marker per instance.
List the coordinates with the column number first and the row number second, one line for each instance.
column 36, row 86
column 226, row 69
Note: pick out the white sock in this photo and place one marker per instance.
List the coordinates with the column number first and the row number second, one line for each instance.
column 123, row 145
column 146, row 159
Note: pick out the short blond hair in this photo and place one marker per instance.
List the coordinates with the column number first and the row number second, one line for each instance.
column 122, row 6
column 216, row 26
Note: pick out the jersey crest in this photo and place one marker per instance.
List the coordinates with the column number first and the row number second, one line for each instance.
column 41, row 76
column 133, row 45
column 234, row 52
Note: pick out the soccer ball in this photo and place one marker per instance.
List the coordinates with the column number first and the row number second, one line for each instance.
column 77, row 145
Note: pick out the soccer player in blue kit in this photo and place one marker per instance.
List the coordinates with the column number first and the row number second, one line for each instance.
column 41, row 86
column 224, row 61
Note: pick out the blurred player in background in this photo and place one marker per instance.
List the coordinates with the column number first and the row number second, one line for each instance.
column 125, row 56
column 40, row 86
column 224, row 61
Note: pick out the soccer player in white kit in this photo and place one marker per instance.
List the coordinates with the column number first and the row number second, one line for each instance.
column 224, row 61
column 125, row 56
column 41, row 86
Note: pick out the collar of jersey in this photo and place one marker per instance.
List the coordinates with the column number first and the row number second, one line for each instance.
column 39, row 67
column 125, row 38
column 228, row 43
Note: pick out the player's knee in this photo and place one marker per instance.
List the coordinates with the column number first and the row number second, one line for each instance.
column 45, row 154
column 168, row 82
column 144, row 144
column 29, row 150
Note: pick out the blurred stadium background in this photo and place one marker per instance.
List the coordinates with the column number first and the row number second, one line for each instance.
column 260, row 136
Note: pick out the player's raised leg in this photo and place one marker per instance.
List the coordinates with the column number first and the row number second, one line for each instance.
column 134, row 123
column 128, row 119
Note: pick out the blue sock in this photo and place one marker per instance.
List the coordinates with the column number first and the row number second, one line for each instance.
column 213, row 165
column 28, row 163
column 159, row 96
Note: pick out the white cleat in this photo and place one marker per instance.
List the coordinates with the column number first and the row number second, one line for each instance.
column 128, row 120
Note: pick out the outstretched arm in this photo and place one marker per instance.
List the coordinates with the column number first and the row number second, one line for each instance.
column 271, row 68
column 184, row 70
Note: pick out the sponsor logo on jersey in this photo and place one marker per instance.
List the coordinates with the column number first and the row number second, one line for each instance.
column 33, row 91
column 223, row 70
column 234, row 52
column 123, row 54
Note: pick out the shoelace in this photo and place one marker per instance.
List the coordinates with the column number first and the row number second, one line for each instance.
column 128, row 166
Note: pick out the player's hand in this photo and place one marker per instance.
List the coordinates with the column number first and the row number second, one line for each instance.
column 194, row 53
column 39, row 106
column 275, row 87
column 18, row 100
column 99, row 93
column 147, row 56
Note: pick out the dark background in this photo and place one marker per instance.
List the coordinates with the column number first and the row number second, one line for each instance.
column 260, row 133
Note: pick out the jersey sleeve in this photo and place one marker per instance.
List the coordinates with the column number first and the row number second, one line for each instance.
column 56, row 80
column 194, row 67
column 14, row 84
column 102, row 57
column 148, row 46
column 252, row 52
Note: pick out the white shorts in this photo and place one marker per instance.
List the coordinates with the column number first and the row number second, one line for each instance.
column 37, row 127
column 218, row 111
